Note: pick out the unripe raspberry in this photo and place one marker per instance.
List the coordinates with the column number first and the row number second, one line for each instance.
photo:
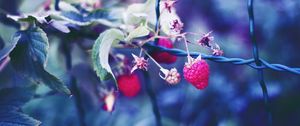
column 171, row 76
column 164, row 57
column 129, row 84
column 197, row 73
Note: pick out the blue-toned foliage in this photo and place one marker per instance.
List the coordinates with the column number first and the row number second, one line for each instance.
column 6, row 48
column 11, row 100
column 100, row 15
column 29, row 58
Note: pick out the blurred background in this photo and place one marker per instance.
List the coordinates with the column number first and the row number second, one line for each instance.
column 233, row 97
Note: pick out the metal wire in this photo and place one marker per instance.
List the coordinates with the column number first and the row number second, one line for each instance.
column 258, row 62
column 222, row 59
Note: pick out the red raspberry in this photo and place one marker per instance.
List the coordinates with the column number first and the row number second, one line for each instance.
column 197, row 73
column 164, row 57
column 129, row 84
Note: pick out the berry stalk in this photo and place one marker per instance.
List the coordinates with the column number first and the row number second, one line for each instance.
column 153, row 59
column 187, row 50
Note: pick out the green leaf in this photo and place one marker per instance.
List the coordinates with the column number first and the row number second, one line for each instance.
column 28, row 18
column 100, row 52
column 101, row 16
column 64, row 6
column 138, row 12
column 11, row 101
column 29, row 58
column 140, row 31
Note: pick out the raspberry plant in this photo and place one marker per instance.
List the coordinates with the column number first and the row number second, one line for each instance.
column 152, row 28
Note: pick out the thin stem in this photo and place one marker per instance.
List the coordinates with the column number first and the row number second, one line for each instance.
column 196, row 34
column 152, row 96
column 56, row 6
column 141, row 52
column 157, row 12
column 74, row 86
column 4, row 62
column 258, row 62
column 78, row 101
column 149, row 89
column 185, row 42
column 187, row 49
column 153, row 59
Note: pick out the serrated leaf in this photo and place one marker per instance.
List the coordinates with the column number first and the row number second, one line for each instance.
column 100, row 16
column 29, row 58
column 138, row 32
column 9, row 78
column 11, row 100
column 64, row 6
column 60, row 25
column 29, row 17
column 41, row 18
column 100, row 52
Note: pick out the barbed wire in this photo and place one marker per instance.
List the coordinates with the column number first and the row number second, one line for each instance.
column 222, row 59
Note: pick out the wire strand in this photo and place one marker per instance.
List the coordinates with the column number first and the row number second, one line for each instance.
column 222, row 59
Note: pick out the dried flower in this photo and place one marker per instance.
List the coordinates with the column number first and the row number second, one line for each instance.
column 217, row 52
column 140, row 63
column 171, row 76
column 206, row 39
column 169, row 4
column 47, row 5
column 176, row 26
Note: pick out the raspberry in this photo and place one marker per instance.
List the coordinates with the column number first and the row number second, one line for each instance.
column 164, row 57
column 197, row 73
column 171, row 76
column 129, row 84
